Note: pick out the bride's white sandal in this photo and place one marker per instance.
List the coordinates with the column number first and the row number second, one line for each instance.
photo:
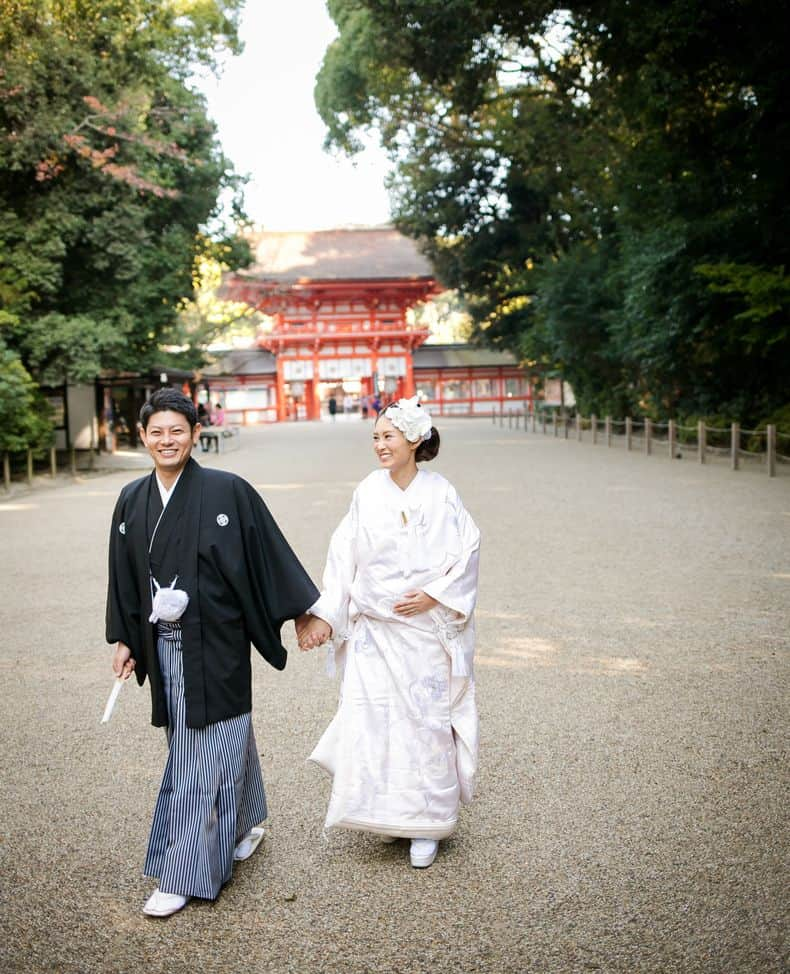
column 423, row 852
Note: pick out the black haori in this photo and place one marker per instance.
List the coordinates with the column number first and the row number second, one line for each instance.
column 242, row 578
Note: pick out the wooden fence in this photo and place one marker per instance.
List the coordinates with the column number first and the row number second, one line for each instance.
column 674, row 439
column 27, row 459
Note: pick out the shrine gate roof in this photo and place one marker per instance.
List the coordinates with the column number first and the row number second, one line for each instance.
column 256, row 361
column 380, row 253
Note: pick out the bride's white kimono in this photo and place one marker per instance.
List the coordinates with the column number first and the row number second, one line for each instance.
column 402, row 747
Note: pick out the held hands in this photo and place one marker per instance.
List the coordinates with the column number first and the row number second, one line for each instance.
column 311, row 632
column 413, row 603
column 122, row 662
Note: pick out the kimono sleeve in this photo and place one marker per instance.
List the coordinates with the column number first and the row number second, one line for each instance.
column 457, row 588
column 456, row 591
column 281, row 588
column 339, row 572
column 122, row 621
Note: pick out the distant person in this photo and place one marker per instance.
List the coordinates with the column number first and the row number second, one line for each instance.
column 376, row 405
column 332, row 407
column 198, row 571
column 205, row 421
column 348, row 404
column 363, row 405
column 120, row 427
column 218, row 416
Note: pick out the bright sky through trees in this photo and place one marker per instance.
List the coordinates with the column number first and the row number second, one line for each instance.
column 269, row 127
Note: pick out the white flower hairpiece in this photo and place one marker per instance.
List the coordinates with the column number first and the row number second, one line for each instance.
column 411, row 419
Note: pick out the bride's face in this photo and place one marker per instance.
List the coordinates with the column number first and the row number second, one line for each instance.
column 393, row 450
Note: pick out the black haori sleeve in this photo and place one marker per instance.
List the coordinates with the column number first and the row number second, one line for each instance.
column 123, row 598
column 278, row 587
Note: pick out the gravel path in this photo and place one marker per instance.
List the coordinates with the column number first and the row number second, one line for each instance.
column 633, row 688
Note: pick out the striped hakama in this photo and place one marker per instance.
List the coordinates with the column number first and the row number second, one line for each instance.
column 211, row 793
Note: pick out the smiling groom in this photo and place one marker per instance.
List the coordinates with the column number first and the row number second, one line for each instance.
column 198, row 571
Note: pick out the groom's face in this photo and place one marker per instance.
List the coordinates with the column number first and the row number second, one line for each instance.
column 169, row 440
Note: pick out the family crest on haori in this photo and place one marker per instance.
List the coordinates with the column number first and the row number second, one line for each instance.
column 398, row 597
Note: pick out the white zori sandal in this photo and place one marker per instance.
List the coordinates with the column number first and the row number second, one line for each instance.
column 161, row 904
column 422, row 852
column 248, row 844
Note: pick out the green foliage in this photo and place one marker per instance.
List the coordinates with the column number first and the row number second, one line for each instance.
column 605, row 189
column 765, row 292
column 780, row 418
column 207, row 318
column 445, row 317
column 24, row 414
column 110, row 172
column 577, row 298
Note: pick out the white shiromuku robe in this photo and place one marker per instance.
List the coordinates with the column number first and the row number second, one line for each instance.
column 402, row 747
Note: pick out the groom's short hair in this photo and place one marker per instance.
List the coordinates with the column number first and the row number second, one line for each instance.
column 169, row 399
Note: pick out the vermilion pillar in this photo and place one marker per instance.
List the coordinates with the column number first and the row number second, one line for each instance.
column 409, row 380
column 374, row 363
column 314, row 406
column 280, row 391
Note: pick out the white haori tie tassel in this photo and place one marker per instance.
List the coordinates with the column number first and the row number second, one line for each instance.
column 169, row 603
column 411, row 419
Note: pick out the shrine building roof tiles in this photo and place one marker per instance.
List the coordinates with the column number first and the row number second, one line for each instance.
column 370, row 253
column 460, row 356
column 246, row 361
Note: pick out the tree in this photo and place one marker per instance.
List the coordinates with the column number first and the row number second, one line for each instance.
column 24, row 416
column 109, row 172
column 492, row 132
column 207, row 318
column 585, row 176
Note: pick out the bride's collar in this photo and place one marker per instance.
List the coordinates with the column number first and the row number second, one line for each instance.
column 407, row 488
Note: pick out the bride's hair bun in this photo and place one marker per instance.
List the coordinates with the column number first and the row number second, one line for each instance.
column 429, row 448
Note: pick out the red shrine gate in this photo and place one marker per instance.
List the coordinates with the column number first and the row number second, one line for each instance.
column 339, row 301
column 330, row 336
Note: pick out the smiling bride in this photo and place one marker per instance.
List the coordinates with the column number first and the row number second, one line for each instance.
column 399, row 591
